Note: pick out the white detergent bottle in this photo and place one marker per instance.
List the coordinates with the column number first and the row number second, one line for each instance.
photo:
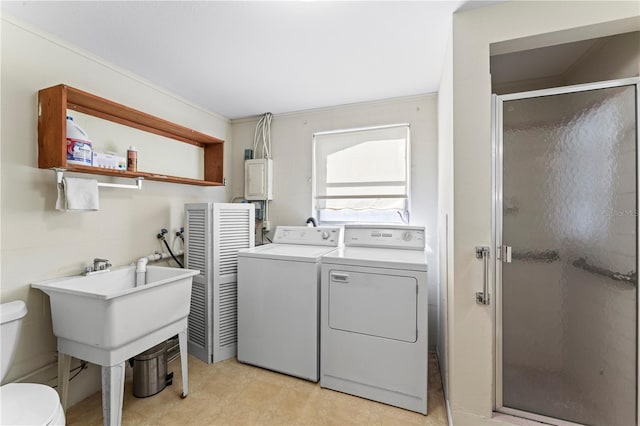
column 79, row 149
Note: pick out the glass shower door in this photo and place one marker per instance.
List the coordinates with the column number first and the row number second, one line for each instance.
column 567, row 309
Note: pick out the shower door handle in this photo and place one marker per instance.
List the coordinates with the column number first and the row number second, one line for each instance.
column 506, row 254
column 482, row 297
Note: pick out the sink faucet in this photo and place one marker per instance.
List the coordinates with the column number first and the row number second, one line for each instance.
column 99, row 265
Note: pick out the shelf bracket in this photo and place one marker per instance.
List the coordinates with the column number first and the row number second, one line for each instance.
column 60, row 173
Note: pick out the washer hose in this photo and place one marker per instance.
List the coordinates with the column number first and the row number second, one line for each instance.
column 164, row 240
column 171, row 252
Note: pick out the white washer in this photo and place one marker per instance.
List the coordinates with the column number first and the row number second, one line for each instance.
column 374, row 316
column 278, row 300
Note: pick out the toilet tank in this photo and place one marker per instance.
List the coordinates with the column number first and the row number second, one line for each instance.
column 11, row 314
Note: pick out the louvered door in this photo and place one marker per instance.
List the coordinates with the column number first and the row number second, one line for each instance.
column 234, row 226
column 214, row 234
column 198, row 255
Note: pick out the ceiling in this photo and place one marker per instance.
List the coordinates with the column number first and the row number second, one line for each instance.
column 241, row 58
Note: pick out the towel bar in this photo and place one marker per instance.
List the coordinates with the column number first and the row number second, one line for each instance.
column 60, row 172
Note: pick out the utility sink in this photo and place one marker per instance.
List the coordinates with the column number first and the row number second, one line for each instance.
column 106, row 319
column 100, row 316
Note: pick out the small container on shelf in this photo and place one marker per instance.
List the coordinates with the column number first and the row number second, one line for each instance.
column 132, row 159
column 109, row 161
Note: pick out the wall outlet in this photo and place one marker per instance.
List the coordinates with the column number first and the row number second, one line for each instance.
column 266, row 225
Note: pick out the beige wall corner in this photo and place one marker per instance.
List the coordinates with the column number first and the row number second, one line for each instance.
column 471, row 326
column 39, row 242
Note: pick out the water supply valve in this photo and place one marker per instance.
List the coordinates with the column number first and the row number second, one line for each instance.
column 162, row 233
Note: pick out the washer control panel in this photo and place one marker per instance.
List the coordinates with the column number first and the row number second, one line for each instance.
column 317, row 236
column 398, row 237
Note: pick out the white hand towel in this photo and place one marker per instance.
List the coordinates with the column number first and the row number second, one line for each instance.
column 78, row 195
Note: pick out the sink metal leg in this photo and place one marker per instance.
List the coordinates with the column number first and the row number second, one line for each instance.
column 182, row 341
column 64, row 367
column 112, row 394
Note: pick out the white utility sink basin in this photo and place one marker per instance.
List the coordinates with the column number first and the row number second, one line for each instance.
column 106, row 319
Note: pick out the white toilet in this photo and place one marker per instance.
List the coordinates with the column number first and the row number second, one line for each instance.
column 23, row 403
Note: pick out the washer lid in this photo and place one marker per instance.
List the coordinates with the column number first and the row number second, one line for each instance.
column 411, row 260
column 293, row 252
column 28, row 404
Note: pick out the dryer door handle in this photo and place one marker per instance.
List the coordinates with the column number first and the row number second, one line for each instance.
column 339, row 277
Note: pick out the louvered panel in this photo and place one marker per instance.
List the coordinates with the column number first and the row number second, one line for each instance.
column 197, row 317
column 233, row 235
column 234, row 221
column 228, row 314
column 213, row 323
column 240, row 227
column 229, row 266
column 234, row 212
column 196, row 248
column 232, row 248
column 233, row 240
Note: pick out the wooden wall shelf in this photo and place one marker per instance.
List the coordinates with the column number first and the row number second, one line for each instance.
column 52, row 137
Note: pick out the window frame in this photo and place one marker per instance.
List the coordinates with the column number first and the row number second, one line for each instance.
column 314, row 204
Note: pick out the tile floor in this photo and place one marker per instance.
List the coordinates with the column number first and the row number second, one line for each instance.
column 231, row 393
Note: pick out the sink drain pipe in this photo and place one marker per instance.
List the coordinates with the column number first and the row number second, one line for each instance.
column 141, row 265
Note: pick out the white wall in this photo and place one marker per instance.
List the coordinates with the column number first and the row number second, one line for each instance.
column 445, row 217
column 39, row 242
column 616, row 57
column 292, row 149
column 609, row 58
column 471, row 325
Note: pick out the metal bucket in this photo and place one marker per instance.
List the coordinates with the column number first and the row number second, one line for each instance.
column 150, row 371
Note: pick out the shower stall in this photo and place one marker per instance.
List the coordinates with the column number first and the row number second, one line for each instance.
column 566, row 238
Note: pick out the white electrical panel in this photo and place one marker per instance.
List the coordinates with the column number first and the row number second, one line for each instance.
column 258, row 176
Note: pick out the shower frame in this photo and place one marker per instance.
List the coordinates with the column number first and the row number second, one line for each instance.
column 497, row 103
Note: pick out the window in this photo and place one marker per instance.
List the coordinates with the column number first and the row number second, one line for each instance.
column 362, row 175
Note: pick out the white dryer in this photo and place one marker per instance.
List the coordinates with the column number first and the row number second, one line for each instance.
column 279, row 297
column 374, row 316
